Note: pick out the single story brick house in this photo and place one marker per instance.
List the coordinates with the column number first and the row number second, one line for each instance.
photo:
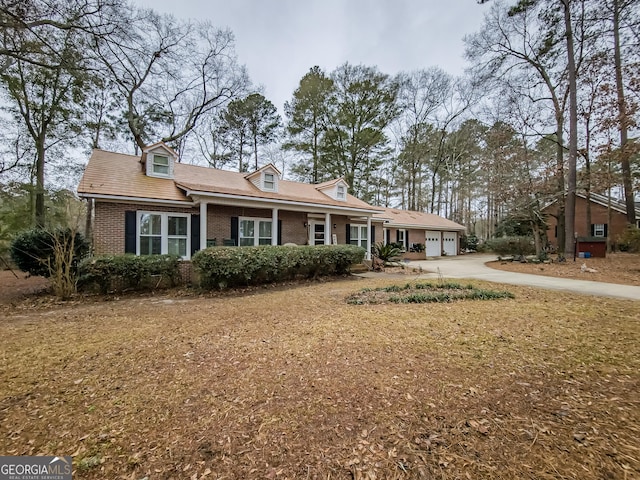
column 600, row 227
column 152, row 203
column 422, row 234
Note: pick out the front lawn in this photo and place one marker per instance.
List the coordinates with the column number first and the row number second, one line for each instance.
column 298, row 383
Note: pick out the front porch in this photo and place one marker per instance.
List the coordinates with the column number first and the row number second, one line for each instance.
column 232, row 225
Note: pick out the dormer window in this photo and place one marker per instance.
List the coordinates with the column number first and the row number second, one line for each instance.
column 159, row 160
column 265, row 178
column 340, row 194
column 160, row 165
column 269, row 181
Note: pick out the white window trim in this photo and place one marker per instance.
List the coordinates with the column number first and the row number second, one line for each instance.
column 403, row 237
column 367, row 239
column 595, row 230
column 151, row 162
column 264, row 181
column 342, row 197
column 164, row 231
column 256, row 229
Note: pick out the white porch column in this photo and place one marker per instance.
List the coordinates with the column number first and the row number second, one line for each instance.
column 203, row 225
column 274, row 226
column 327, row 228
column 369, row 240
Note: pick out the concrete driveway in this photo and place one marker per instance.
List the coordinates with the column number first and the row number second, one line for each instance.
column 473, row 266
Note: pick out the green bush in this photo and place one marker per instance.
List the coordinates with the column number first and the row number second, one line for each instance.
column 629, row 241
column 469, row 242
column 222, row 267
column 124, row 272
column 387, row 253
column 33, row 251
column 417, row 247
column 512, row 246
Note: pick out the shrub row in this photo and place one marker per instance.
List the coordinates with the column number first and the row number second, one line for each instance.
column 222, row 267
column 122, row 272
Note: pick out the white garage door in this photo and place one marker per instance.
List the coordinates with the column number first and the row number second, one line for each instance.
column 450, row 243
column 432, row 243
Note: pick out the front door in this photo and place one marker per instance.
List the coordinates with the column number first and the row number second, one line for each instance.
column 316, row 233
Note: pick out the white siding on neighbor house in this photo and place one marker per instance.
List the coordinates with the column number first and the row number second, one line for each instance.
column 450, row 243
column 433, row 244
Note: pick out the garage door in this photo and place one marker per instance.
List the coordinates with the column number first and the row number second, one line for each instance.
column 450, row 243
column 432, row 244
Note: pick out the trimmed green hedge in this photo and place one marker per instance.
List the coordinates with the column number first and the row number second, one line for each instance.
column 129, row 272
column 223, row 267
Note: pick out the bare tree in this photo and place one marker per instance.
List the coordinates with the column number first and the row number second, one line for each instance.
column 168, row 73
column 512, row 44
column 422, row 94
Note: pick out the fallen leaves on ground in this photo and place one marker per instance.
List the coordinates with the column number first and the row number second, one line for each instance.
column 292, row 382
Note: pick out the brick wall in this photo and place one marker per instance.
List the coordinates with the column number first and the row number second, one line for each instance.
column 293, row 229
column 108, row 226
column 598, row 215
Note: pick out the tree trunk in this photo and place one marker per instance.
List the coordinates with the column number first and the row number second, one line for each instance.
column 623, row 120
column 40, row 208
column 255, row 149
column 315, row 148
column 240, row 169
column 570, row 206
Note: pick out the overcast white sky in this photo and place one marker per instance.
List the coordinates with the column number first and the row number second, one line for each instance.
column 279, row 40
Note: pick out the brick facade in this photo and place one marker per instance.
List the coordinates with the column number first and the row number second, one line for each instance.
column 598, row 216
column 108, row 225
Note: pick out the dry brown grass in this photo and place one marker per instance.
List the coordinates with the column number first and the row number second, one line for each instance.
column 621, row 268
column 294, row 383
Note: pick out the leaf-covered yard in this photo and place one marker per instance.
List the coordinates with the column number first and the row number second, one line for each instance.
column 293, row 382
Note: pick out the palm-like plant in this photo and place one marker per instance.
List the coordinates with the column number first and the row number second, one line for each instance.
column 386, row 253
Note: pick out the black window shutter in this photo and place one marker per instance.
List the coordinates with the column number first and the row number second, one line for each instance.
column 555, row 232
column 398, row 236
column 406, row 240
column 373, row 235
column 279, row 232
column 593, row 230
column 388, row 236
column 195, row 233
column 606, row 230
column 130, row 231
column 348, row 233
column 234, row 230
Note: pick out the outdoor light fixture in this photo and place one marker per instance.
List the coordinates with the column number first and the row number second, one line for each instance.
column 335, row 226
column 305, row 224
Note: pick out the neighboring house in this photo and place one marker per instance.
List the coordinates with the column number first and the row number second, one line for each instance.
column 422, row 234
column 153, row 204
column 599, row 227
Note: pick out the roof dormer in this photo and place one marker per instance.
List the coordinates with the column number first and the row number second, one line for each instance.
column 160, row 160
column 336, row 189
column 265, row 178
